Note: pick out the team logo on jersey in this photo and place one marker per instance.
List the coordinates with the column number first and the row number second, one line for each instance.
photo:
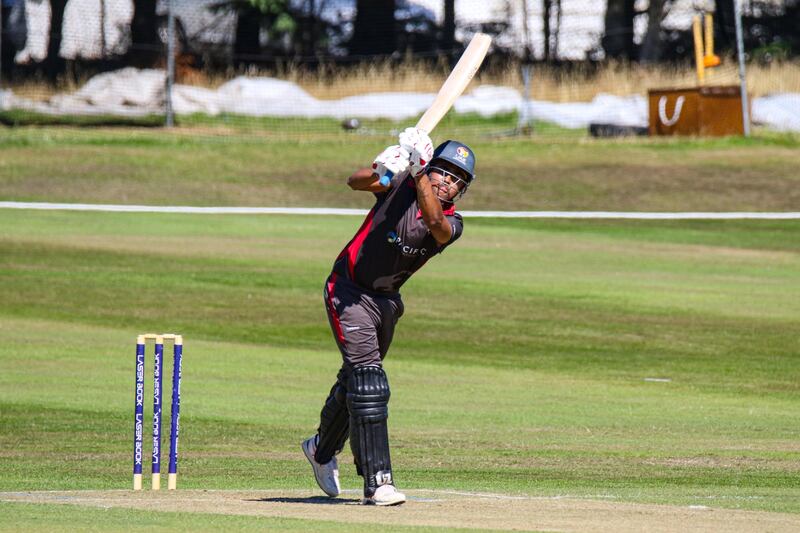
column 393, row 238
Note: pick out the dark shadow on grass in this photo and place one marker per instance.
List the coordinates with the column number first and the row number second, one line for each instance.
column 318, row 500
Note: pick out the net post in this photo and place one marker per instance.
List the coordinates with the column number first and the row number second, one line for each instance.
column 170, row 80
column 737, row 7
column 1, row 45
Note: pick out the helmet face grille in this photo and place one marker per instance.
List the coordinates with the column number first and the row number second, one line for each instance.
column 459, row 182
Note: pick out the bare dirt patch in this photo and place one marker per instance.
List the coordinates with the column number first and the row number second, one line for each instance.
column 435, row 508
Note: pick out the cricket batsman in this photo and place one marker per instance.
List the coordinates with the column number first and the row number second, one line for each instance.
column 413, row 219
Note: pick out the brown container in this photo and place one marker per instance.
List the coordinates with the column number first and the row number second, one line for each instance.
column 705, row 111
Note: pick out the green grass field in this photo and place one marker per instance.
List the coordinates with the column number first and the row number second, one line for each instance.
column 612, row 363
column 528, row 379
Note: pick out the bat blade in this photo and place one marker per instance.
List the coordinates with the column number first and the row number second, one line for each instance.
column 459, row 78
column 454, row 85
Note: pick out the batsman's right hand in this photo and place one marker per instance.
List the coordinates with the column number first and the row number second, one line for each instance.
column 420, row 149
column 394, row 160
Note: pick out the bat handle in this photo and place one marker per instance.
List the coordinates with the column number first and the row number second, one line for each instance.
column 386, row 178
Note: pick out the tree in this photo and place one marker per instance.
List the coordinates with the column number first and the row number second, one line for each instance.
column 146, row 47
column 653, row 44
column 617, row 40
column 546, row 20
column 449, row 26
column 375, row 31
column 557, row 31
column 292, row 29
column 309, row 37
column 770, row 30
column 724, row 25
column 7, row 39
column 551, row 32
column 54, row 64
column 247, row 38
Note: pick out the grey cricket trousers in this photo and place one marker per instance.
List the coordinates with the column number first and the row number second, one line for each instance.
column 362, row 322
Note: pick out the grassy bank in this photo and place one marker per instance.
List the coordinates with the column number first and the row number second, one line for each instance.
column 275, row 167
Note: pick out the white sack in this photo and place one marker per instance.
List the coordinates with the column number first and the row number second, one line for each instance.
column 778, row 111
column 81, row 28
column 37, row 20
column 132, row 92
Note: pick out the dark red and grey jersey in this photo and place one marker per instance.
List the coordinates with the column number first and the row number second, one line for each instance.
column 393, row 242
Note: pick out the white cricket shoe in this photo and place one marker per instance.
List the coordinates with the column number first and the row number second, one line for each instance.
column 328, row 474
column 386, row 495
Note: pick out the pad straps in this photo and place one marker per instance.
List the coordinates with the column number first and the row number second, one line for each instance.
column 334, row 421
column 367, row 400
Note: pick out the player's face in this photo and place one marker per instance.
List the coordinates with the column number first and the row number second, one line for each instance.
column 447, row 180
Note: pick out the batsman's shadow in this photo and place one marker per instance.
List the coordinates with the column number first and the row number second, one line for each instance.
column 316, row 500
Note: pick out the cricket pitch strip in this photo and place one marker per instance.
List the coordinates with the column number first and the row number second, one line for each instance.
column 433, row 508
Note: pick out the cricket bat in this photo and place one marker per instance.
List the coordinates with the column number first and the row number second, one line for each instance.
column 456, row 82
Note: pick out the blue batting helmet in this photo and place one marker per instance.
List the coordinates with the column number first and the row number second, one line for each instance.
column 459, row 154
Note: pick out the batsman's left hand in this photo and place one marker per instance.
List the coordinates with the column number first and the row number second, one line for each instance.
column 391, row 161
column 420, row 148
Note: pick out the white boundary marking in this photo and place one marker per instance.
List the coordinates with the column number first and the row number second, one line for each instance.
column 634, row 215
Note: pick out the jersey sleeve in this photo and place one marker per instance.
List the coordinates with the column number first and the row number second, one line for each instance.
column 457, row 226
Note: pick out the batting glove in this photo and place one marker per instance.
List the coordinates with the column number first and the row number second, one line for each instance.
column 420, row 148
column 394, row 160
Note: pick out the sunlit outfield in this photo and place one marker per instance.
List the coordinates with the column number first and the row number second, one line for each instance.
column 617, row 360
column 635, row 361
